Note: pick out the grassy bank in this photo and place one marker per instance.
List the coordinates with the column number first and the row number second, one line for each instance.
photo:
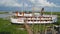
column 3, row 12
column 7, row 28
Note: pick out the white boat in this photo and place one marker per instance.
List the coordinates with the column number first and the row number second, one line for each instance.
column 29, row 18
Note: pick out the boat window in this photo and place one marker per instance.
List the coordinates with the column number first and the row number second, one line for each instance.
column 35, row 20
column 28, row 20
column 15, row 17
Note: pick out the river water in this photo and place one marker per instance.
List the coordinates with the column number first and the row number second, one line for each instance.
column 4, row 15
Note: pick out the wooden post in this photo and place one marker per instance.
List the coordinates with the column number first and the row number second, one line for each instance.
column 28, row 28
column 45, row 31
column 53, row 31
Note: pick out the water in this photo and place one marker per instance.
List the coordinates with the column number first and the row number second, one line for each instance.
column 4, row 15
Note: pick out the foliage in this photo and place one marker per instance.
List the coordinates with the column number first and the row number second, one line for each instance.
column 3, row 12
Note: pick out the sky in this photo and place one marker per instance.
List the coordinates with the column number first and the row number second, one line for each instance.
column 20, row 5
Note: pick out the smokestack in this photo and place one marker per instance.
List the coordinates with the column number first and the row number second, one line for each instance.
column 42, row 10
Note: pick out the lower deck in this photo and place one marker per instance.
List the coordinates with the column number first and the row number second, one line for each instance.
column 35, row 20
